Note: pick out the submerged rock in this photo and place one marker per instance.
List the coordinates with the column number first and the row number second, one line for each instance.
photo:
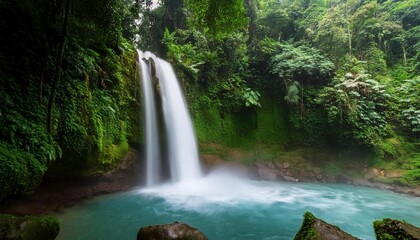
column 28, row 228
column 315, row 229
column 393, row 229
column 176, row 230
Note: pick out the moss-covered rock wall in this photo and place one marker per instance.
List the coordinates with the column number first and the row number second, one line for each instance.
column 29, row 227
column 68, row 90
column 242, row 129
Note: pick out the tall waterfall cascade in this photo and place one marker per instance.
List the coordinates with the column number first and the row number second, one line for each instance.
column 182, row 149
column 152, row 141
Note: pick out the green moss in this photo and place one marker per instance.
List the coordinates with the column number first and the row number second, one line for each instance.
column 333, row 169
column 306, row 231
column 411, row 167
column 112, row 153
column 390, row 229
column 214, row 149
column 309, row 217
column 412, row 177
column 271, row 121
column 243, row 129
column 397, row 181
column 29, row 227
column 97, row 110
column 398, row 154
column 391, row 148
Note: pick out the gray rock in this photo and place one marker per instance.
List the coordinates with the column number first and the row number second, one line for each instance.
column 267, row 174
column 290, row 179
column 393, row 229
column 176, row 230
column 317, row 170
column 253, row 173
column 279, row 165
column 315, row 228
column 260, row 164
column 319, row 177
column 289, row 172
column 271, row 165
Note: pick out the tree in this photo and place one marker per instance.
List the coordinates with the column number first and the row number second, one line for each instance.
column 276, row 22
column 301, row 63
column 331, row 37
column 216, row 17
column 298, row 66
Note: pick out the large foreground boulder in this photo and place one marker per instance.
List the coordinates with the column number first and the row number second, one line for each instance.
column 176, row 230
column 28, row 228
column 315, row 229
column 389, row 229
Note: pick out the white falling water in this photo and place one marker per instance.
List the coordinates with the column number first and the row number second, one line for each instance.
column 182, row 143
column 153, row 175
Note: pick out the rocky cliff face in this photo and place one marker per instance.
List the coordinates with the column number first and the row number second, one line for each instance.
column 306, row 166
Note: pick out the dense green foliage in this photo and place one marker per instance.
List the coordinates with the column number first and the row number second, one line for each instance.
column 357, row 104
column 68, row 89
column 336, row 73
column 342, row 73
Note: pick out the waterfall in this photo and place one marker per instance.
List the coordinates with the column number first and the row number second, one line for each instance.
column 153, row 168
column 182, row 144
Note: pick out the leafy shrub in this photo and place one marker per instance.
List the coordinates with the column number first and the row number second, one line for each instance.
column 29, row 227
column 301, row 63
column 357, row 104
column 407, row 108
column 20, row 171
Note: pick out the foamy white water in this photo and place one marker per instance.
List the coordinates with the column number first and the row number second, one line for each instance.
column 224, row 188
column 223, row 206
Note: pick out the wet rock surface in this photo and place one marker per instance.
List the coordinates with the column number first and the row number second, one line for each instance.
column 315, row 228
column 54, row 195
column 302, row 171
column 394, row 229
column 176, row 230
column 28, row 227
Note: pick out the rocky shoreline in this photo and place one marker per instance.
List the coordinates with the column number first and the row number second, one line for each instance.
column 53, row 196
column 311, row 228
column 299, row 170
column 283, row 172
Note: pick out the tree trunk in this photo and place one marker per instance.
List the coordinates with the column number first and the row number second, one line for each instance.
column 302, row 104
column 404, row 55
column 57, row 72
column 348, row 28
column 349, row 33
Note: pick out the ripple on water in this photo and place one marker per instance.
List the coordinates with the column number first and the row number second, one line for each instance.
column 227, row 207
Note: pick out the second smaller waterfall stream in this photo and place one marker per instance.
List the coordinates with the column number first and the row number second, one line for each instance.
column 183, row 150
